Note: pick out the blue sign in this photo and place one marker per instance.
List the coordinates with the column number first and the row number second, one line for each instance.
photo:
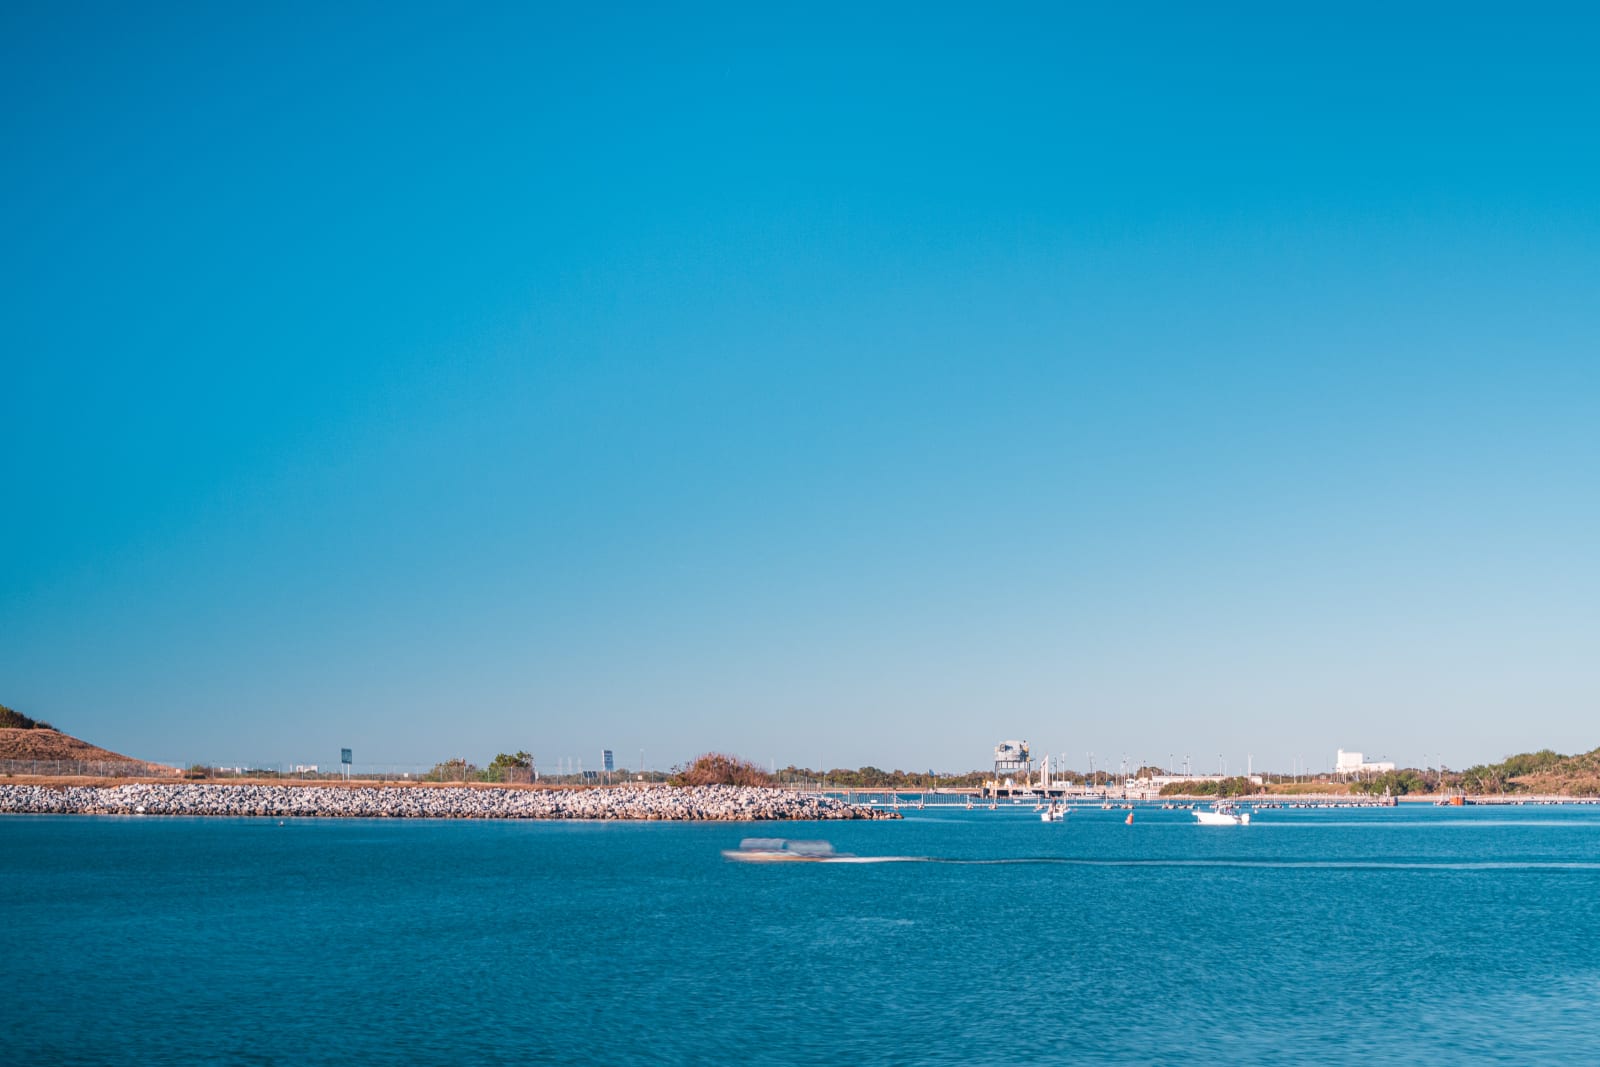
column 344, row 755
column 606, row 756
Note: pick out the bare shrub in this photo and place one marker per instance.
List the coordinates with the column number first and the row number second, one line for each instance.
column 719, row 768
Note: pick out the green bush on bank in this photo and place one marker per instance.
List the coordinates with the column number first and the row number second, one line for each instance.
column 509, row 767
column 453, row 770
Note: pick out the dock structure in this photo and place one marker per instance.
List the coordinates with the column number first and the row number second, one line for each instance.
column 1513, row 800
column 1013, row 777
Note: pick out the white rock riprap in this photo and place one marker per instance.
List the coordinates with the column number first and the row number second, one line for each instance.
column 707, row 803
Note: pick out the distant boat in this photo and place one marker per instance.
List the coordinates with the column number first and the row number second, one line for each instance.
column 1223, row 813
column 1054, row 813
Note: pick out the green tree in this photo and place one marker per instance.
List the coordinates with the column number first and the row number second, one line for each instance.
column 508, row 767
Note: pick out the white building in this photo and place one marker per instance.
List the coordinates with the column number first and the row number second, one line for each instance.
column 1348, row 763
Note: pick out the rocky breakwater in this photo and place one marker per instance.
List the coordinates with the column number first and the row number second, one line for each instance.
column 706, row 803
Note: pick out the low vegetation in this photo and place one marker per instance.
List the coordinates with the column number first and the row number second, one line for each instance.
column 518, row 768
column 1392, row 783
column 454, row 770
column 1227, row 787
column 870, row 777
column 1316, row 787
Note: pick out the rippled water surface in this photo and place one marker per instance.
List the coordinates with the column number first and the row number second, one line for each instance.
column 1444, row 936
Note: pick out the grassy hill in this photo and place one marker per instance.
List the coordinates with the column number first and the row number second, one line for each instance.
column 1544, row 771
column 48, row 750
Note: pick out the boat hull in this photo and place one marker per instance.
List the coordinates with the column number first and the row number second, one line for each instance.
column 1221, row 818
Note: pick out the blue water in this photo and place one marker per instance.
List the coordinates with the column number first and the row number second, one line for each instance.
column 1408, row 934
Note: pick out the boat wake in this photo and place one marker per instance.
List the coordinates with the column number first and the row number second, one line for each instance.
column 779, row 850
column 1279, row 865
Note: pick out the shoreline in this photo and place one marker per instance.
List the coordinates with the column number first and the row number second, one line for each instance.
column 659, row 804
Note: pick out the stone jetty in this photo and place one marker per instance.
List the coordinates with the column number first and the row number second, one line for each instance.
column 714, row 803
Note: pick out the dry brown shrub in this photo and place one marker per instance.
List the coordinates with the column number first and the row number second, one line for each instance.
column 719, row 768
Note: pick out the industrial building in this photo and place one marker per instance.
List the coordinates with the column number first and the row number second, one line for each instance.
column 1347, row 764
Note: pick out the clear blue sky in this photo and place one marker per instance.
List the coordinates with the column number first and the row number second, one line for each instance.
column 819, row 383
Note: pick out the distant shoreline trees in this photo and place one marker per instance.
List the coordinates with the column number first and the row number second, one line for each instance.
column 1226, row 787
column 1393, row 783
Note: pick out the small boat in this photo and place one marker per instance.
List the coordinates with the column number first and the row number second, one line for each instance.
column 781, row 850
column 1054, row 813
column 1223, row 813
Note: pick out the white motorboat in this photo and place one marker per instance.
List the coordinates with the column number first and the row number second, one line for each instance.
column 1223, row 814
column 1054, row 813
column 779, row 850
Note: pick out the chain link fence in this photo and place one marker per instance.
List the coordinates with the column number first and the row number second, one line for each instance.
column 56, row 768
column 455, row 770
